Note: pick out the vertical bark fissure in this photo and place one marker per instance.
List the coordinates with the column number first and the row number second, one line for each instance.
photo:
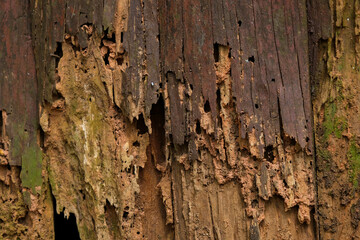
column 150, row 184
column 253, row 60
column 214, row 228
column 298, row 65
column 311, row 46
column 276, row 47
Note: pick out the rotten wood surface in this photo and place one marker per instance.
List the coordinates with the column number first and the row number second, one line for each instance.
column 196, row 104
column 269, row 58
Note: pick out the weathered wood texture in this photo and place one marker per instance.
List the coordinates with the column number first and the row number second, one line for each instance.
column 335, row 40
column 194, row 114
column 18, row 86
column 233, row 81
column 268, row 42
column 21, row 216
column 269, row 56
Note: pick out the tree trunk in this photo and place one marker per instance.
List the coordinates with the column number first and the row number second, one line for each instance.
column 192, row 119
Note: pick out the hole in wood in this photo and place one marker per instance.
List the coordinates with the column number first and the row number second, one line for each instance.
column 119, row 60
column 125, row 214
column 198, row 128
column 251, row 59
column 207, row 106
column 269, row 153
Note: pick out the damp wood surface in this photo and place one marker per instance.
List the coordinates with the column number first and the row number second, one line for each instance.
column 159, row 119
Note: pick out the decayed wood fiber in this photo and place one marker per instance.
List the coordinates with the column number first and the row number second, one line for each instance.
column 181, row 119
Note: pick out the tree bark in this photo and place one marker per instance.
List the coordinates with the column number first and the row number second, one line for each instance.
column 201, row 119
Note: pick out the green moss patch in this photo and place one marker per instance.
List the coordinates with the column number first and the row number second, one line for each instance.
column 31, row 167
column 333, row 124
column 354, row 161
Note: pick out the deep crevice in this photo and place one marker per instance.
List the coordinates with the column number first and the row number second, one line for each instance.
column 218, row 99
column 64, row 228
column 58, row 54
column 2, row 128
column 140, row 124
column 216, row 52
column 1, row 125
column 107, row 40
column 157, row 116
column 150, row 198
column 112, row 220
column 269, row 153
column 109, row 35
column 41, row 136
column 313, row 44
column 198, row 127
